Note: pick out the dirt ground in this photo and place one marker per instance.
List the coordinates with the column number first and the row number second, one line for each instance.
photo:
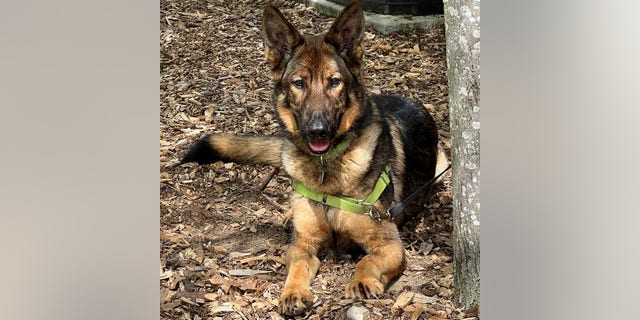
column 222, row 236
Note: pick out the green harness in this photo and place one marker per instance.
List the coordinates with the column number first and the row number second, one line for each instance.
column 347, row 203
column 363, row 206
column 341, row 202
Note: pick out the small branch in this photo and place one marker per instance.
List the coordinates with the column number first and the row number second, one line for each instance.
column 274, row 203
column 265, row 181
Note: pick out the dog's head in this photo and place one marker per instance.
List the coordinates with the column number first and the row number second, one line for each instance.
column 319, row 94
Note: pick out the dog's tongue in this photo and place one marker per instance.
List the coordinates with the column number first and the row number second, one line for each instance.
column 319, row 147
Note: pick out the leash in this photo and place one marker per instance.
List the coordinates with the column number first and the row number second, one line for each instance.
column 392, row 212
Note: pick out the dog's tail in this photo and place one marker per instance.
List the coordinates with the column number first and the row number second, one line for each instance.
column 238, row 149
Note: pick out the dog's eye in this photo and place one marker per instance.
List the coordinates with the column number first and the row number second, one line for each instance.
column 334, row 82
column 298, row 84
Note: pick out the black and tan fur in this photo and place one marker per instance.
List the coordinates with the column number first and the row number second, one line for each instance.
column 320, row 100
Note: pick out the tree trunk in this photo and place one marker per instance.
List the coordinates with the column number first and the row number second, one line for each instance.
column 462, row 23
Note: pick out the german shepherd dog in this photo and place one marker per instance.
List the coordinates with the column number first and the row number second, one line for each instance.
column 337, row 142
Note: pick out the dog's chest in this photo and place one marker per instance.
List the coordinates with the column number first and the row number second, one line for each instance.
column 342, row 175
column 342, row 221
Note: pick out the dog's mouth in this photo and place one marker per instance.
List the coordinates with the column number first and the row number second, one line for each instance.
column 320, row 146
column 318, row 133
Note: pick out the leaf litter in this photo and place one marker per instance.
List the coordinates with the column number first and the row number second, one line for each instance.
column 223, row 231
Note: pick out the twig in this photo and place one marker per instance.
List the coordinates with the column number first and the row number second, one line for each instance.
column 263, row 184
column 274, row 203
column 171, row 164
column 241, row 314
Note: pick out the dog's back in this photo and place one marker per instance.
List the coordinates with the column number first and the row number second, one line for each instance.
column 415, row 138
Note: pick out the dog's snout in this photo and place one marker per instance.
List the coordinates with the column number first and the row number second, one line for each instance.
column 318, row 125
column 317, row 128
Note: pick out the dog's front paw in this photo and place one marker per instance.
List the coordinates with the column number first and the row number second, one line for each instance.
column 364, row 288
column 295, row 300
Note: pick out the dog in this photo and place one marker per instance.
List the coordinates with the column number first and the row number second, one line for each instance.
column 350, row 156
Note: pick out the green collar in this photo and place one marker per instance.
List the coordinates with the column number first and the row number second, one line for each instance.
column 341, row 147
column 344, row 202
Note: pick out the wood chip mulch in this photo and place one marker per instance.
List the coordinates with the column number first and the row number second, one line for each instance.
column 222, row 236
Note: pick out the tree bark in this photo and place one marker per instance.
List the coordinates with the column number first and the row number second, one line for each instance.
column 462, row 24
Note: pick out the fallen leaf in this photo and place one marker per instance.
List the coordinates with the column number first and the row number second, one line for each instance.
column 246, row 272
column 211, row 296
column 417, row 312
column 220, row 307
column 403, row 299
column 423, row 299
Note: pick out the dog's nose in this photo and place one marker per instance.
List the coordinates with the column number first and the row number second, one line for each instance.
column 318, row 125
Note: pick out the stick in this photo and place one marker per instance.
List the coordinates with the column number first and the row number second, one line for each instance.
column 263, row 184
column 274, row 203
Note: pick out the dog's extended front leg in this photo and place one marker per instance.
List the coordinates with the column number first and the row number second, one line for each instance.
column 302, row 266
column 384, row 262
column 311, row 231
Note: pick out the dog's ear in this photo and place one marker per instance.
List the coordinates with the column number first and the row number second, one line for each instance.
column 346, row 35
column 280, row 37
